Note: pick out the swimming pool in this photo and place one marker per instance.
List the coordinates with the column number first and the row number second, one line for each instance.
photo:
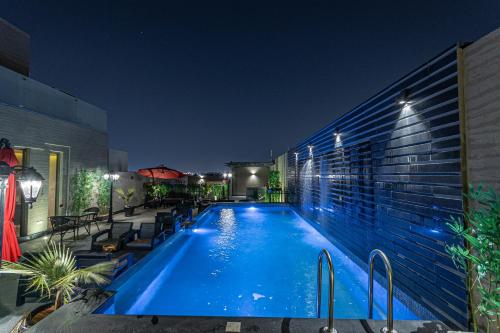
column 244, row 260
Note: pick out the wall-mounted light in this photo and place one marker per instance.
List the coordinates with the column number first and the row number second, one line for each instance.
column 404, row 98
column 296, row 156
column 31, row 182
column 230, row 175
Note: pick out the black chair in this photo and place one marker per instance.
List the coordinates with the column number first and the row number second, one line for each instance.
column 90, row 216
column 147, row 237
column 185, row 210
column 166, row 222
column 119, row 234
column 61, row 225
column 121, row 262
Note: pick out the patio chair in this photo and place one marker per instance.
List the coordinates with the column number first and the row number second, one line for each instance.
column 147, row 237
column 122, row 262
column 166, row 222
column 90, row 216
column 185, row 209
column 61, row 225
column 119, row 234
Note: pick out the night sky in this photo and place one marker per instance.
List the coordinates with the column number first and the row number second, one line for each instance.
column 195, row 84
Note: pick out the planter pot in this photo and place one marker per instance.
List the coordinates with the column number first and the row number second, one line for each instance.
column 129, row 211
column 33, row 317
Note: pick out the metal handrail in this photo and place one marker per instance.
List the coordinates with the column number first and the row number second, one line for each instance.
column 388, row 269
column 324, row 252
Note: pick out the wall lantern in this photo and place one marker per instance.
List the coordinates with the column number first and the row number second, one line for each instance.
column 31, row 183
column 404, row 98
column 229, row 175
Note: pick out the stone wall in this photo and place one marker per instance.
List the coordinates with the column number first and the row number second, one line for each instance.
column 482, row 107
column 481, row 84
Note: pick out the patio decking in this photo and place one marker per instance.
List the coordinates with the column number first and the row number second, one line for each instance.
column 9, row 313
column 141, row 215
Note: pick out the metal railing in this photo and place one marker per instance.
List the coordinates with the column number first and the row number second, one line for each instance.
column 388, row 269
column 324, row 252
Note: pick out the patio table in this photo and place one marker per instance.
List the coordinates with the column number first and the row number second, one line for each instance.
column 81, row 221
column 62, row 224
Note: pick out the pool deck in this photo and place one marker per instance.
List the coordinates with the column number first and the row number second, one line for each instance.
column 78, row 317
column 10, row 314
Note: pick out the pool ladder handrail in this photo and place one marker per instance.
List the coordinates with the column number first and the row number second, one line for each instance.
column 388, row 269
column 324, row 252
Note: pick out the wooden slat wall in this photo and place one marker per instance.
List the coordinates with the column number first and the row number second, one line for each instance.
column 391, row 180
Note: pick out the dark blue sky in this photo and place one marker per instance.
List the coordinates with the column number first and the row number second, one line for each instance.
column 193, row 84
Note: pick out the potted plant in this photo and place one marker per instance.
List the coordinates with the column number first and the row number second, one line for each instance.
column 478, row 254
column 126, row 196
column 54, row 276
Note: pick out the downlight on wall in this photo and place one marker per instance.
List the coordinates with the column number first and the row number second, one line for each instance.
column 404, row 100
column 336, row 136
column 310, row 147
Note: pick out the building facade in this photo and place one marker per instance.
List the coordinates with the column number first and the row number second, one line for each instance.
column 52, row 131
column 249, row 179
column 389, row 173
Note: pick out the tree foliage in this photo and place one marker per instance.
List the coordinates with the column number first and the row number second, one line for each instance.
column 479, row 256
column 125, row 195
column 89, row 188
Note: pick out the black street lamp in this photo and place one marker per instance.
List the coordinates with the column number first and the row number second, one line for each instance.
column 111, row 177
column 227, row 180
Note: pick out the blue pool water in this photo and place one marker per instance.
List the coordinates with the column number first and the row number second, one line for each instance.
column 243, row 260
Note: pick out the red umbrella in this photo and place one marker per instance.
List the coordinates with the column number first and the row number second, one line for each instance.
column 160, row 172
column 10, row 246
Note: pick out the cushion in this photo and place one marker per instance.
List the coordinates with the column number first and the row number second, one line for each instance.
column 140, row 243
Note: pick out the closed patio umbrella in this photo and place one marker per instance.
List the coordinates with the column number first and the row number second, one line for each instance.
column 10, row 245
column 160, row 172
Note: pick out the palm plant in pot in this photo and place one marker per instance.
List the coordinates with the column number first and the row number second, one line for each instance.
column 53, row 274
column 126, row 196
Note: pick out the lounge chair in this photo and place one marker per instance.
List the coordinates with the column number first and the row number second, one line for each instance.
column 147, row 237
column 119, row 234
column 185, row 209
column 122, row 262
column 167, row 222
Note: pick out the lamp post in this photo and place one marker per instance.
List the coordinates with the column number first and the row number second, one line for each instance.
column 228, row 176
column 111, row 177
